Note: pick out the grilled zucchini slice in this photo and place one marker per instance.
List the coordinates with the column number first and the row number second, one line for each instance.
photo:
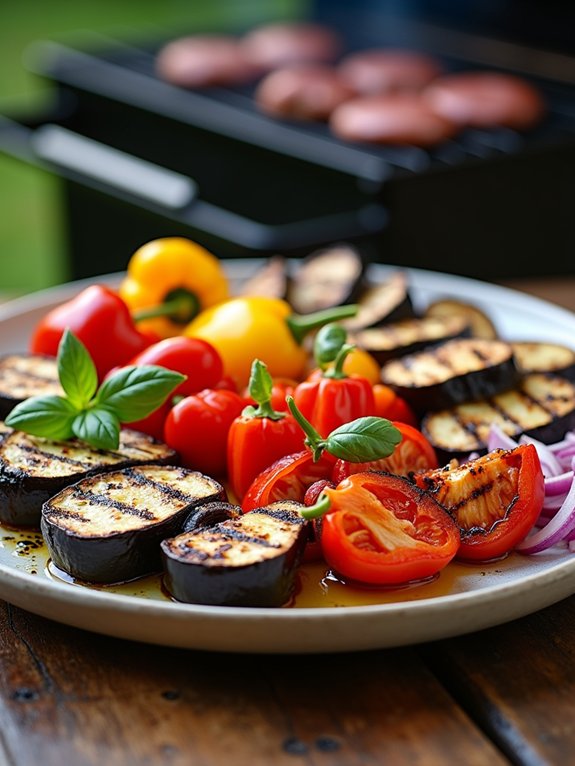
column 32, row 469
column 541, row 406
column 457, row 371
column 382, row 303
column 26, row 375
column 247, row 561
column 409, row 336
column 327, row 278
column 533, row 356
column 108, row 528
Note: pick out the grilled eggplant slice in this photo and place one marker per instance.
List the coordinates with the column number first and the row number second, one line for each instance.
column 409, row 336
column 209, row 514
column 33, row 469
column 327, row 278
column 457, row 371
column 247, row 561
column 382, row 303
column 541, row 406
column 481, row 324
column 533, row 356
column 270, row 281
column 26, row 375
column 108, row 528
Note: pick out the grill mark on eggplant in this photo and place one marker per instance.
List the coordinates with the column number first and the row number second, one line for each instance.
column 230, row 533
column 171, row 492
column 61, row 513
column 47, row 455
column 95, row 498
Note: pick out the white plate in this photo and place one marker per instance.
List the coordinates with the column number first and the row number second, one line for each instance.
column 464, row 599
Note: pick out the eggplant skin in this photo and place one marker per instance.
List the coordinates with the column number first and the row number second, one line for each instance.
column 541, row 406
column 268, row 581
column 23, row 488
column 109, row 554
column 457, row 371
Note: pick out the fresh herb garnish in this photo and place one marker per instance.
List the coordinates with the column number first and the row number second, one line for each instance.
column 90, row 413
column 359, row 441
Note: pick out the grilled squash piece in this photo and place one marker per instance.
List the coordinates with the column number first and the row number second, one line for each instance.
column 32, row 469
column 454, row 372
column 533, row 356
column 247, row 561
column 541, row 406
column 108, row 528
column 409, row 336
column 26, row 375
column 481, row 324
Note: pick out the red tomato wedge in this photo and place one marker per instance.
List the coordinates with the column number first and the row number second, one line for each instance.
column 413, row 453
column 383, row 530
column 495, row 500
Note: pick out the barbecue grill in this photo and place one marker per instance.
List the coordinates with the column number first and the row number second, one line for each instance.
column 140, row 158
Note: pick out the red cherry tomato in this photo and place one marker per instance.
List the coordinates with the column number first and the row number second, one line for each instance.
column 495, row 500
column 193, row 357
column 197, row 428
column 413, row 453
column 383, row 530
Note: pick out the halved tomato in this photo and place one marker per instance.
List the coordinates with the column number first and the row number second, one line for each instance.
column 383, row 530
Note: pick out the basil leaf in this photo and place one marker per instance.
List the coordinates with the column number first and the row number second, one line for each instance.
column 134, row 392
column 260, row 385
column 98, row 427
column 363, row 440
column 76, row 370
column 48, row 416
column 328, row 343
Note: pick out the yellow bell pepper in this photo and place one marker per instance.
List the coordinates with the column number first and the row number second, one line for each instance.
column 248, row 328
column 169, row 281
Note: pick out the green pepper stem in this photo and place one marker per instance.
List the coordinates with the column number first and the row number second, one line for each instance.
column 321, row 506
column 313, row 439
column 260, row 388
column 337, row 372
column 300, row 324
column 180, row 305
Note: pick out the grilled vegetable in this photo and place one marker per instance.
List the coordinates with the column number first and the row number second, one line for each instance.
column 382, row 303
column 208, row 514
column 26, row 375
column 481, row 325
column 494, row 500
column 541, row 406
column 107, row 528
column 545, row 357
column 327, row 278
column 409, row 336
column 248, row 561
column 455, row 372
column 32, row 469
column 269, row 281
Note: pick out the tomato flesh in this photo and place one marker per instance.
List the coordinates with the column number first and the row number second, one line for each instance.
column 382, row 530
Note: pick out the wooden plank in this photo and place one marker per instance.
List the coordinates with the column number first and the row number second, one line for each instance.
column 518, row 682
column 67, row 696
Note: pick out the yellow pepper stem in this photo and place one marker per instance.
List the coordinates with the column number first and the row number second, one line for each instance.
column 301, row 324
column 180, row 305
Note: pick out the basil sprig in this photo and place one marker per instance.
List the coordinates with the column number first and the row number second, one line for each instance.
column 91, row 413
column 359, row 441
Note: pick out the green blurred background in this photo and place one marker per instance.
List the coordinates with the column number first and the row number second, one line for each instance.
column 32, row 243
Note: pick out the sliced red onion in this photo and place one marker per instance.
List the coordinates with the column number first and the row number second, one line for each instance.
column 572, row 546
column 552, row 504
column 498, row 439
column 558, row 485
column 567, row 441
column 549, row 463
column 561, row 525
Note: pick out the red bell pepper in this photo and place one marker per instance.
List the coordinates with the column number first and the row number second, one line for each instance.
column 329, row 398
column 260, row 435
column 101, row 320
column 495, row 500
column 381, row 529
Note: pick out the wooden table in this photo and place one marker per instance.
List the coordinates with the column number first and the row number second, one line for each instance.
column 504, row 695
